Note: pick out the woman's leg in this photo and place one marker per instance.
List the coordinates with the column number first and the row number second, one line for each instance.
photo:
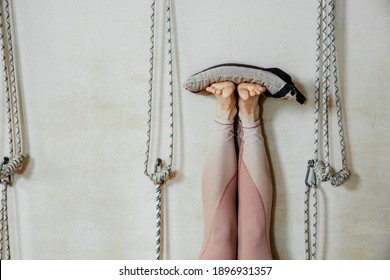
column 254, row 179
column 219, row 183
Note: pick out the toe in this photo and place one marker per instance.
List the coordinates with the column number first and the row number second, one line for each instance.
column 218, row 91
column 241, row 86
column 244, row 94
column 210, row 89
column 252, row 93
column 257, row 91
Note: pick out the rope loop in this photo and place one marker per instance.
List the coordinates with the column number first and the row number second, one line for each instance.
column 326, row 83
column 161, row 173
column 9, row 167
column 162, row 170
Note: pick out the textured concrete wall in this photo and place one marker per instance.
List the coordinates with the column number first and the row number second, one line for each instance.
column 84, row 79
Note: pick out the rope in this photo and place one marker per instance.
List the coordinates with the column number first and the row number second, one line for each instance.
column 14, row 162
column 320, row 170
column 15, row 107
column 162, row 170
column 325, row 89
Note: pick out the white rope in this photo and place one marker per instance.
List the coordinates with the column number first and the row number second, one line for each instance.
column 14, row 161
column 162, row 170
column 320, row 170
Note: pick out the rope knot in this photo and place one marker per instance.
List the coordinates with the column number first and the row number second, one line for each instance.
column 320, row 170
column 340, row 177
column 162, row 172
column 9, row 167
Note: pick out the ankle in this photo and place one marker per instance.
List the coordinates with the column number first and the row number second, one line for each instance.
column 249, row 115
column 227, row 113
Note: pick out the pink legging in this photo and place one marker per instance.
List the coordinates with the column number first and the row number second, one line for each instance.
column 236, row 228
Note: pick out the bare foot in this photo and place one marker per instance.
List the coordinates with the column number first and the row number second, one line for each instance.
column 249, row 109
column 226, row 100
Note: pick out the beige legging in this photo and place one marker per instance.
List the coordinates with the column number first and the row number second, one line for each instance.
column 236, row 228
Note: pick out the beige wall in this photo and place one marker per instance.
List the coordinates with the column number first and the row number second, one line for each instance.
column 84, row 75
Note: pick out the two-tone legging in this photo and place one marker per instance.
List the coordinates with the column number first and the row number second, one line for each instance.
column 237, row 195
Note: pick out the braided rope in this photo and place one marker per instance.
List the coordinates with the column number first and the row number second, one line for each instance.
column 6, row 86
column 158, row 222
column 310, row 248
column 150, row 92
column 5, row 251
column 306, row 222
column 17, row 129
column 170, row 81
column 15, row 160
column 342, row 175
column 162, row 170
column 318, row 170
column 325, row 87
column 7, row 170
column 311, row 224
column 317, row 80
column 10, row 133
column 307, row 225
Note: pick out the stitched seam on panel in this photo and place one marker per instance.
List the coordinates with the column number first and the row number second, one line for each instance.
column 242, row 126
column 223, row 123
